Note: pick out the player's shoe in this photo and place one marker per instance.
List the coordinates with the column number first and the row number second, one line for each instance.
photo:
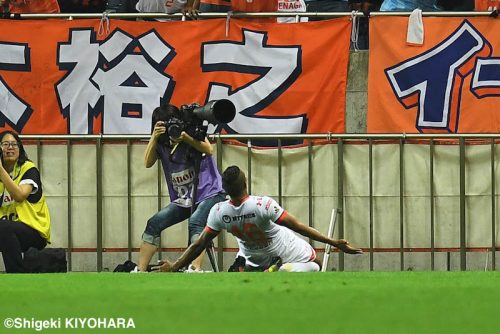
column 238, row 265
column 276, row 264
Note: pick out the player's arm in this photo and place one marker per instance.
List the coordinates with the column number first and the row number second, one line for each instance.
column 191, row 253
column 294, row 224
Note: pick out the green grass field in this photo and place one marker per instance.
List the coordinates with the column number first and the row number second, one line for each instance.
column 401, row 302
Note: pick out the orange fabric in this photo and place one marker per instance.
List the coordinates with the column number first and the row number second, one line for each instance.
column 254, row 5
column 34, row 6
column 279, row 221
column 485, row 5
column 464, row 108
column 217, row 2
column 315, row 91
column 209, row 230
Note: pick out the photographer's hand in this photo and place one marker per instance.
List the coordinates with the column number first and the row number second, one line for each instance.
column 158, row 130
column 150, row 155
column 201, row 146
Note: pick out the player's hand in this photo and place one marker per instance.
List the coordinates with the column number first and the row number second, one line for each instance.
column 344, row 246
column 163, row 266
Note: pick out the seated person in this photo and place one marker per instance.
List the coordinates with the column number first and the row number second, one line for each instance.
column 24, row 215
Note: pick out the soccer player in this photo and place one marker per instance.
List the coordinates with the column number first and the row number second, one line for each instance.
column 264, row 231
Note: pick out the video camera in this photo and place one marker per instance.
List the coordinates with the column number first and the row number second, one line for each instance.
column 191, row 117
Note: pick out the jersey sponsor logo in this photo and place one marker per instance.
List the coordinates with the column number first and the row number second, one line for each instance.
column 243, row 217
column 226, row 219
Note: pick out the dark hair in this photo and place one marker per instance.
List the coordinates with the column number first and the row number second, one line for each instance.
column 163, row 113
column 22, row 153
column 233, row 181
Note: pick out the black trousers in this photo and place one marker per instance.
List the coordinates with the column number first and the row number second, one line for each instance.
column 16, row 238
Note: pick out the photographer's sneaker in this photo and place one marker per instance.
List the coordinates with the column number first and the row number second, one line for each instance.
column 193, row 270
column 137, row 271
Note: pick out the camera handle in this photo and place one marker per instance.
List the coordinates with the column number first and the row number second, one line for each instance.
column 196, row 156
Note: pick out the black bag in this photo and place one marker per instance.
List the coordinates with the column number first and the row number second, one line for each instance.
column 47, row 260
column 125, row 267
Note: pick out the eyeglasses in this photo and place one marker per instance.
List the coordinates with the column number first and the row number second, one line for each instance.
column 7, row 144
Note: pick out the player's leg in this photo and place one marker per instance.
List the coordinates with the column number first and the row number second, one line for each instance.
column 197, row 223
column 166, row 217
column 299, row 256
column 300, row 267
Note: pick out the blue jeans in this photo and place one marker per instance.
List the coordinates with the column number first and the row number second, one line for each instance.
column 409, row 5
column 173, row 214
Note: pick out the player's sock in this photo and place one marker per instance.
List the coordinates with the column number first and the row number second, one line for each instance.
column 300, row 267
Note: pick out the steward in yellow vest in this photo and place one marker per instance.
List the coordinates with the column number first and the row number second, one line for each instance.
column 24, row 215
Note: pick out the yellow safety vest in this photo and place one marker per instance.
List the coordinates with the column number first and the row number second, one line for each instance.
column 35, row 215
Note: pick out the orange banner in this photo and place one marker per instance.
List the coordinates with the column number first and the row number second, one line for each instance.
column 83, row 77
column 449, row 84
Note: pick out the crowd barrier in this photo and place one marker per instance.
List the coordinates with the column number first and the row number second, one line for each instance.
column 433, row 195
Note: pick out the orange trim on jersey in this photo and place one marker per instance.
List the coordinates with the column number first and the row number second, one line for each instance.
column 313, row 255
column 280, row 219
column 210, row 230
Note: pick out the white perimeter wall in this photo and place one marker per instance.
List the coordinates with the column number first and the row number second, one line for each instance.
column 264, row 180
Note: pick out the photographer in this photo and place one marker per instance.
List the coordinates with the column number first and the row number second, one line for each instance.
column 177, row 156
column 25, row 219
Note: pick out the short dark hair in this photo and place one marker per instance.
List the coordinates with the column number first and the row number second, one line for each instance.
column 163, row 113
column 233, row 181
column 23, row 157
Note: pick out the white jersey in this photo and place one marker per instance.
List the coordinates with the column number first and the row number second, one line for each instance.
column 255, row 224
column 291, row 6
column 160, row 6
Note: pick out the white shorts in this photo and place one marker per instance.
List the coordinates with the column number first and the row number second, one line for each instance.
column 291, row 249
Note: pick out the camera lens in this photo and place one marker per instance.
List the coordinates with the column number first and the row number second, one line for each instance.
column 174, row 131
